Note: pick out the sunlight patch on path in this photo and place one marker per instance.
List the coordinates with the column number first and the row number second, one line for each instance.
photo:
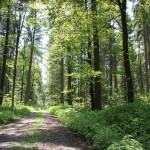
column 21, row 134
column 39, row 131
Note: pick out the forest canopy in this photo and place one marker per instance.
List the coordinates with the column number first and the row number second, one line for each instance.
column 96, row 54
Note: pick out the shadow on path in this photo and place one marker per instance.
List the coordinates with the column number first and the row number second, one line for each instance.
column 52, row 135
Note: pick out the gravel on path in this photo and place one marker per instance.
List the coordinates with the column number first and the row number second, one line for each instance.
column 51, row 135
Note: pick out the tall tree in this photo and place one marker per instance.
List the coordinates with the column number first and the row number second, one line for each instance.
column 28, row 85
column 130, row 90
column 97, row 104
column 62, row 80
column 5, row 54
column 69, row 69
column 19, row 26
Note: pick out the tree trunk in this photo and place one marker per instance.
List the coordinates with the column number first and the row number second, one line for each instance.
column 91, row 80
column 22, row 83
column 97, row 80
column 115, row 75
column 110, row 68
column 91, row 89
column 28, row 85
column 62, row 80
column 146, row 59
column 140, row 70
column 5, row 53
column 19, row 28
column 23, row 73
column 130, row 90
column 69, row 87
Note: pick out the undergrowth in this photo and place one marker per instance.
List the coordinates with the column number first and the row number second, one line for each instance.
column 8, row 115
column 125, row 127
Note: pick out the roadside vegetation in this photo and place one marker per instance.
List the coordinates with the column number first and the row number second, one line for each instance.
column 8, row 115
column 124, row 127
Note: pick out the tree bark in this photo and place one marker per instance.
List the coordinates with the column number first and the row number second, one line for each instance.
column 5, row 53
column 62, row 80
column 97, row 104
column 91, row 84
column 91, row 80
column 69, row 87
column 110, row 68
column 28, row 85
column 19, row 29
column 130, row 89
column 146, row 59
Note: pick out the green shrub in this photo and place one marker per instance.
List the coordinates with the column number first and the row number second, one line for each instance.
column 103, row 128
column 8, row 115
column 54, row 109
column 105, row 136
column 127, row 143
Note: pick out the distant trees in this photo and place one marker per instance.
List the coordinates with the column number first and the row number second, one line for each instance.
column 98, row 53
column 141, row 28
column 15, row 55
column 104, row 42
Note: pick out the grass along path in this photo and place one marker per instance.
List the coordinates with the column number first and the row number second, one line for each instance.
column 33, row 135
column 39, row 131
column 23, row 134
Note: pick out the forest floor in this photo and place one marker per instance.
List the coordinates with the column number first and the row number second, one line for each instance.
column 40, row 131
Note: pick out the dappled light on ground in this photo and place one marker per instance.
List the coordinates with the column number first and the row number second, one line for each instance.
column 35, row 132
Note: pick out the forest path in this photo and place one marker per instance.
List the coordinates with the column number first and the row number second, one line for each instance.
column 39, row 131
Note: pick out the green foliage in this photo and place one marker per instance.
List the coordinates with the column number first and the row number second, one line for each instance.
column 8, row 115
column 111, row 125
column 55, row 109
column 127, row 143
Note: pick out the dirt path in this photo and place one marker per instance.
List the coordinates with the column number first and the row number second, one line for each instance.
column 36, row 132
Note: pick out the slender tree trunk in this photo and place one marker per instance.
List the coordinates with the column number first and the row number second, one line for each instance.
column 80, row 81
column 148, row 45
column 141, row 86
column 111, row 69
column 15, row 68
column 140, row 74
column 8, row 75
column 91, row 89
column 22, row 84
column 115, row 75
column 5, row 53
column 19, row 28
column 110, row 77
column 23, row 73
column 91, row 80
column 146, row 59
column 28, row 85
column 97, row 80
column 69, row 87
column 130, row 90
column 62, row 80
column 146, row 49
